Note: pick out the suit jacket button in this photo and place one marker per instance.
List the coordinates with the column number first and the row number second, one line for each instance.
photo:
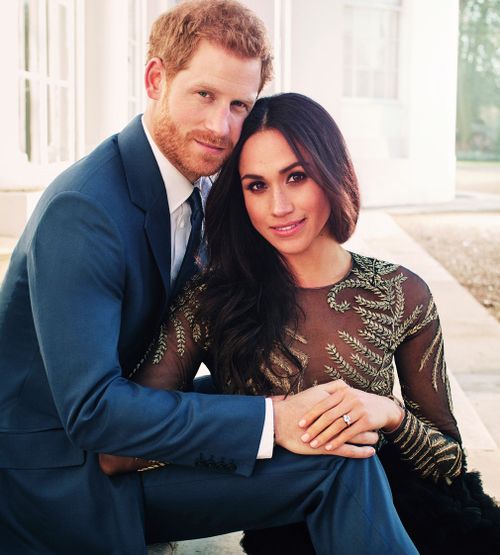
column 211, row 463
column 200, row 461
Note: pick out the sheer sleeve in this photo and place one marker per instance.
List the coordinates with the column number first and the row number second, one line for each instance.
column 170, row 362
column 174, row 356
column 428, row 437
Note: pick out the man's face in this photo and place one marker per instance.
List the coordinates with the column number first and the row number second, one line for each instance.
column 201, row 110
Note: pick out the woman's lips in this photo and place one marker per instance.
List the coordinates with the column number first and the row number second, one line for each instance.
column 290, row 228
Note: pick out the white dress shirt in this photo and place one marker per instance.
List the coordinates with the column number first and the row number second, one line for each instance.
column 178, row 191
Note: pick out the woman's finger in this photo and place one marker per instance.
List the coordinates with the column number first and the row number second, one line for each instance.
column 322, row 407
column 346, row 425
column 330, row 420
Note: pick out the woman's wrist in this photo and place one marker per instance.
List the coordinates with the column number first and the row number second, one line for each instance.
column 397, row 418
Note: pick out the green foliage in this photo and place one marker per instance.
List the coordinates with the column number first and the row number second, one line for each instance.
column 478, row 103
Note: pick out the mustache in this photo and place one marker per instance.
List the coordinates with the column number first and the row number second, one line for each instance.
column 211, row 139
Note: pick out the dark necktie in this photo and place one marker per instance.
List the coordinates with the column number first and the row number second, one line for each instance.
column 196, row 223
column 188, row 266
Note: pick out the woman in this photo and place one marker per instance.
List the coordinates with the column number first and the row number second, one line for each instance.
column 283, row 306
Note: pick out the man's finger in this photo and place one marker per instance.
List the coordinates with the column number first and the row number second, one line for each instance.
column 345, row 436
column 354, row 451
column 332, row 387
column 365, row 438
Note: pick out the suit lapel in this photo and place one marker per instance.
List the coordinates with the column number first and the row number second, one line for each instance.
column 147, row 191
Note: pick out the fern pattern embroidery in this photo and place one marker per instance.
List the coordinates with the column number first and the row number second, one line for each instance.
column 383, row 324
column 380, row 317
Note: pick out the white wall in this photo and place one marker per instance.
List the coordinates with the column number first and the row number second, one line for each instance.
column 403, row 149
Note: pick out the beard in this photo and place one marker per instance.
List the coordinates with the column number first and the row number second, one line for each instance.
column 180, row 149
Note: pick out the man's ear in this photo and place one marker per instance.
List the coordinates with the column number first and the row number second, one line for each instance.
column 153, row 78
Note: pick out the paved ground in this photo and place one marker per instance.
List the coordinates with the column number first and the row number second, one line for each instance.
column 464, row 235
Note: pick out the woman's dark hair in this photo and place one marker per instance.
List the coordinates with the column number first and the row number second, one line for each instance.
column 250, row 297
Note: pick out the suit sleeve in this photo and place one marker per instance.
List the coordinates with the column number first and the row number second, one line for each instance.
column 77, row 276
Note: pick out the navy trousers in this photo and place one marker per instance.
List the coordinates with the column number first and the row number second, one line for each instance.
column 346, row 503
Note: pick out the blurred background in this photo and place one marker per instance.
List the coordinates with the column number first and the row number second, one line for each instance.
column 413, row 84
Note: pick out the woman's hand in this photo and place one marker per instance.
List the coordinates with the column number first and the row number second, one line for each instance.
column 345, row 414
column 288, row 411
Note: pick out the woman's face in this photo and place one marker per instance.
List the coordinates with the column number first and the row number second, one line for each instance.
column 288, row 208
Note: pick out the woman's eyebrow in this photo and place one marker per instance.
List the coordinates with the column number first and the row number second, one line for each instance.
column 251, row 176
column 284, row 170
column 289, row 167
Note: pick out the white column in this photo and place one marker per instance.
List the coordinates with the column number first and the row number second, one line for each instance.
column 432, row 93
column 106, row 69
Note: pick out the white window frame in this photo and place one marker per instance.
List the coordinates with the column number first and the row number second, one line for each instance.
column 350, row 72
column 137, row 12
column 47, row 150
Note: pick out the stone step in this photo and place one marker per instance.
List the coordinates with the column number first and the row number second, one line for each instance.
column 7, row 245
column 225, row 544
column 16, row 207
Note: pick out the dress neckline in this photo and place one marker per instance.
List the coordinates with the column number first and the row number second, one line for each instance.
column 330, row 285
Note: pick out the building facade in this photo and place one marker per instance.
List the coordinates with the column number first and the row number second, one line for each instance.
column 384, row 69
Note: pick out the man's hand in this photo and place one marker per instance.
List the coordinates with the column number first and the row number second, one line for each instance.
column 115, row 464
column 288, row 412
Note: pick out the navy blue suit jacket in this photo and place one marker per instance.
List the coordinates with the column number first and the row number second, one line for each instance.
column 88, row 284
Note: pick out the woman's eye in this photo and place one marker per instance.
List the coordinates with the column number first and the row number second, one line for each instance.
column 256, row 186
column 203, row 94
column 297, row 176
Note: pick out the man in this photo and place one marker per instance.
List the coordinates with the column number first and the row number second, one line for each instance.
column 89, row 283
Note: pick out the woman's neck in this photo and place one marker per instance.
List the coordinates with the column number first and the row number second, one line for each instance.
column 322, row 266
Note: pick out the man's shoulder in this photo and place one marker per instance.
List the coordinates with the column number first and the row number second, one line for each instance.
column 103, row 170
column 103, row 179
column 102, row 165
column 96, row 180
column 99, row 177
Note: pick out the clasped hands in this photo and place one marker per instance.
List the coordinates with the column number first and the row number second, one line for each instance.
column 334, row 418
column 330, row 419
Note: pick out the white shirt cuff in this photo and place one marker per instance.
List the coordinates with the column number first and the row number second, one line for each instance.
column 267, row 439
